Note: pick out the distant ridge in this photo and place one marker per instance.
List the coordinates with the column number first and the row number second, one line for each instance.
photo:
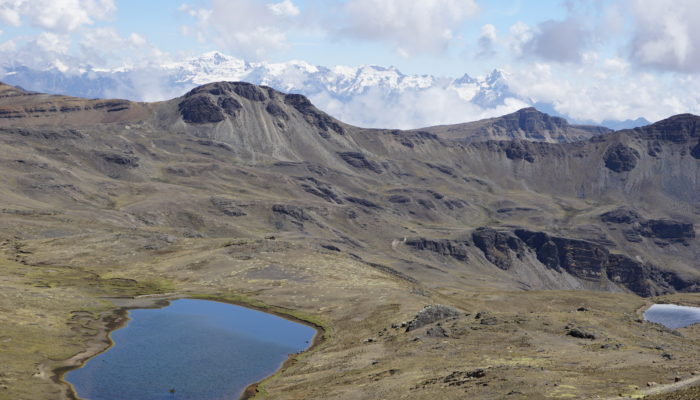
column 525, row 124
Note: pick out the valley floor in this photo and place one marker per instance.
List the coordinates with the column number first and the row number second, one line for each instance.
column 504, row 344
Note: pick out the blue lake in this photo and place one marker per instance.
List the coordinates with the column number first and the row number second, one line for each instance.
column 202, row 350
column 673, row 316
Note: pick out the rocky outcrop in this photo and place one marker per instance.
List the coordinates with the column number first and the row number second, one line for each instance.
column 431, row 314
column 363, row 202
column 320, row 189
column 200, row 110
column 399, row 199
column 295, row 212
column 227, row 206
column 620, row 158
column 582, row 259
column 125, row 160
column 680, row 129
column 444, row 247
column 325, row 123
column 359, row 160
column 667, row 230
column 593, row 262
column 663, row 231
column 498, row 247
column 516, row 150
column 621, row 215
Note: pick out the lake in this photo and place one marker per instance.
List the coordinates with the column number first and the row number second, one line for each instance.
column 191, row 349
column 673, row 316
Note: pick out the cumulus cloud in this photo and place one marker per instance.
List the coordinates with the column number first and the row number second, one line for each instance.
column 608, row 90
column 666, row 34
column 487, row 40
column 55, row 15
column 250, row 28
column 561, row 41
column 284, row 8
column 411, row 26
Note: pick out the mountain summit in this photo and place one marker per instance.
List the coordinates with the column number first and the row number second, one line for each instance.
column 525, row 124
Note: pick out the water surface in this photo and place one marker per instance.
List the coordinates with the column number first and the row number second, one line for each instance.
column 192, row 349
column 673, row 316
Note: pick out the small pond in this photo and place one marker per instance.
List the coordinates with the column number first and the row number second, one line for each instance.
column 191, row 349
column 673, row 316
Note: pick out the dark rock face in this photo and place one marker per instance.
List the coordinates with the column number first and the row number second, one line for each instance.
column 399, row 199
column 644, row 280
column 531, row 121
column 677, row 129
column 580, row 258
column 672, row 231
column 445, row 247
column 295, row 212
column 229, row 105
column 593, row 262
column 276, row 111
column 363, row 202
column 442, row 168
column 110, row 105
column 313, row 115
column 247, row 91
column 320, row 189
column 227, row 207
column 580, row 334
column 431, row 314
column 695, row 151
column 663, row 230
column 621, row 215
column 620, row 158
column 200, row 110
column 358, row 160
column 427, row 204
column 126, row 160
column 498, row 247
column 515, row 150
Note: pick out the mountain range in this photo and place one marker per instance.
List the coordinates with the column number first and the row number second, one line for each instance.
column 508, row 257
column 369, row 96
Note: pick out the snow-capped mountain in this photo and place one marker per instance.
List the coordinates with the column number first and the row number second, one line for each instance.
column 368, row 95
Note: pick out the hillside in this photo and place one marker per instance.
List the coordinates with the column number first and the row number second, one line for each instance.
column 526, row 124
column 241, row 192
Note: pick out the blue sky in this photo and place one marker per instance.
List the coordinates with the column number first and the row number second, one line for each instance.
column 593, row 60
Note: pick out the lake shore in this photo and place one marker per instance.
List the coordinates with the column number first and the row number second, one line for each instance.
column 118, row 318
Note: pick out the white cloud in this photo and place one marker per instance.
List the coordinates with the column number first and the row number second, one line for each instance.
column 410, row 108
column 487, row 40
column 411, row 26
column 249, row 28
column 51, row 42
column 285, row 8
column 55, row 15
column 666, row 34
column 607, row 90
column 561, row 41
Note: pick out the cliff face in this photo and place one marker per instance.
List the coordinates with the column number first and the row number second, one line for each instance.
column 616, row 212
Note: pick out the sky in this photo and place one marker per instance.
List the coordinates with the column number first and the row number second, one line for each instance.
column 594, row 59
